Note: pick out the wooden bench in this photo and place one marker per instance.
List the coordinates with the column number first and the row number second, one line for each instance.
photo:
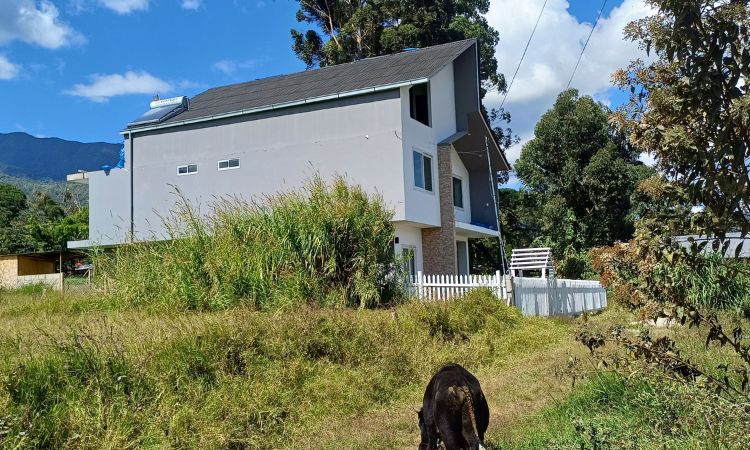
column 532, row 259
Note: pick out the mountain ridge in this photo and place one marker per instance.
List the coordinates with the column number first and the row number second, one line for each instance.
column 52, row 159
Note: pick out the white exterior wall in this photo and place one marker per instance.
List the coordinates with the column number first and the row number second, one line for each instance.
column 357, row 138
column 421, row 206
column 109, row 205
column 410, row 235
column 459, row 170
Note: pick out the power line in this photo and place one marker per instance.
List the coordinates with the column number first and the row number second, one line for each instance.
column 524, row 54
column 587, row 43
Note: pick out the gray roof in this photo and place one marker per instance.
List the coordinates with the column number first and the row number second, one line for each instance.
column 368, row 73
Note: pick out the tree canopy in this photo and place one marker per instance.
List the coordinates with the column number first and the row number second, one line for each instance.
column 690, row 108
column 12, row 202
column 582, row 172
column 350, row 30
column 38, row 225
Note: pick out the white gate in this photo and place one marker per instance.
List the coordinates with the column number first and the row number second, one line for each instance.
column 552, row 297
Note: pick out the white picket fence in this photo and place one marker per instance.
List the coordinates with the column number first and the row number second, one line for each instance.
column 551, row 297
column 445, row 287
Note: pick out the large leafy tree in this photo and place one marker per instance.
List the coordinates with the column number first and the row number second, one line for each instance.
column 690, row 108
column 39, row 225
column 12, row 202
column 350, row 30
column 583, row 173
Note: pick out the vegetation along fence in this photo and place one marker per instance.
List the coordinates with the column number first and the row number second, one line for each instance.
column 533, row 296
column 444, row 287
column 551, row 297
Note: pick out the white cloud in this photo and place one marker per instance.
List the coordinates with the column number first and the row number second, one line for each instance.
column 126, row 6
column 552, row 56
column 191, row 4
column 8, row 70
column 229, row 67
column 103, row 87
column 36, row 24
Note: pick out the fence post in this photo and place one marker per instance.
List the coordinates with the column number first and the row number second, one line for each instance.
column 420, row 294
column 509, row 290
column 497, row 282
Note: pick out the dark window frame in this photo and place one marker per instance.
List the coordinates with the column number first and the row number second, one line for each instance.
column 229, row 164
column 189, row 169
column 420, row 107
column 460, row 193
column 423, row 178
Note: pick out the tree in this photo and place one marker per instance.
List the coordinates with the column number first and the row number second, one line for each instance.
column 50, row 208
column 12, row 202
column 690, row 107
column 691, row 111
column 583, row 173
column 355, row 29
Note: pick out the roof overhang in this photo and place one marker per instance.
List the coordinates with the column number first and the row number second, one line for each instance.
column 473, row 231
column 370, row 90
column 80, row 178
column 472, row 147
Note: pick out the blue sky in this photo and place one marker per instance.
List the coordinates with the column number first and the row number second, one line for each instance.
column 82, row 69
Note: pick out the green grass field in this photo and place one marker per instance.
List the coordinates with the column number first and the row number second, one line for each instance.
column 77, row 372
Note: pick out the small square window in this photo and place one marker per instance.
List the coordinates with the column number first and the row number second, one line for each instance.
column 422, row 171
column 229, row 164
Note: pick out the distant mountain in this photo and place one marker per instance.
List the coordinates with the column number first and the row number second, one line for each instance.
column 25, row 156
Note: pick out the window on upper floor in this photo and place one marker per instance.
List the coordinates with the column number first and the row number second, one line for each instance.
column 227, row 164
column 188, row 169
column 458, row 193
column 423, row 171
column 419, row 103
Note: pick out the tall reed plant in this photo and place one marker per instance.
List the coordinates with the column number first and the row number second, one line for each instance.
column 326, row 243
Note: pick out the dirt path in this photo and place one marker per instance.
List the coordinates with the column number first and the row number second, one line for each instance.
column 514, row 394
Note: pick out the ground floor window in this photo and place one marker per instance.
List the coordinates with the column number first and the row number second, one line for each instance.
column 409, row 256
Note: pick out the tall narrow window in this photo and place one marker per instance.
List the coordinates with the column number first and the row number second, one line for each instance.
column 458, row 193
column 419, row 103
column 408, row 259
column 423, row 171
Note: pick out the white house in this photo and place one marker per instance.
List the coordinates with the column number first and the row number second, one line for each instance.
column 406, row 125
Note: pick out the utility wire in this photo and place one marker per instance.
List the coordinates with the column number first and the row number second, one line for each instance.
column 587, row 43
column 524, row 54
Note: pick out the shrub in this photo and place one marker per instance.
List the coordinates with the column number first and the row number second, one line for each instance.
column 707, row 281
column 327, row 243
column 575, row 266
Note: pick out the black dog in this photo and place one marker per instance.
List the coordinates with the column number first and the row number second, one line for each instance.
column 454, row 411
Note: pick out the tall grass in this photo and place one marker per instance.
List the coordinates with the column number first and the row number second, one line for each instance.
column 246, row 379
column 327, row 243
column 718, row 284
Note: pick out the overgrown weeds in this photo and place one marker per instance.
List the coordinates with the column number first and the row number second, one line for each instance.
column 242, row 378
column 328, row 243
